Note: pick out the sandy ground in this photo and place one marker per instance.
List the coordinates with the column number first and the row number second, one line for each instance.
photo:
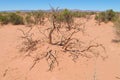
column 14, row 67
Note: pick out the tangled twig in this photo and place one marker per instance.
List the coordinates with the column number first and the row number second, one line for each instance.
column 50, row 58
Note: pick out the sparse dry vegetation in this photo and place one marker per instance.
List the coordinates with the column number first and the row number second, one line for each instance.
column 79, row 41
column 60, row 34
column 60, row 39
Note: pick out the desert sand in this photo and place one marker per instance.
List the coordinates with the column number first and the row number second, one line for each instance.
column 14, row 67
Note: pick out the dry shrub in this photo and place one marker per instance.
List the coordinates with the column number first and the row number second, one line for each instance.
column 64, row 41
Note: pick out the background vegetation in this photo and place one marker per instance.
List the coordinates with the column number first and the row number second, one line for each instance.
column 12, row 18
column 107, row 16
column 61, row 17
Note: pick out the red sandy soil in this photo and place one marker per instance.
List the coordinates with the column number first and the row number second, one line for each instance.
column 14, row 67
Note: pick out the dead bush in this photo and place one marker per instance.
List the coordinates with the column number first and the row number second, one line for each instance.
column 60, row 37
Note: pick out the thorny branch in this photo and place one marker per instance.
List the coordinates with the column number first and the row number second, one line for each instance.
column 75, row 53
column 50, row 58
column 29, row 44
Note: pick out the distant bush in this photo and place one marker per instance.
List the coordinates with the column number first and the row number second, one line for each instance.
column 111, row 15
column 106, row 16
column 38, row 17
column 62, row 17
column 117, row 26
column 4, row 19
column 11, row 18
column 35, row 17
column 66, row 16
column 28, row 19
column 80, row 14
column 15, row 19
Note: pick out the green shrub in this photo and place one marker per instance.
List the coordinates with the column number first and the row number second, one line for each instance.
column 80, row 14
column 64, row 16
column 15, row 19
column 67, row 15
column 107, row 16
column 35, row 17
column 29, row 19
column 38, row 17
column 4, row 19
